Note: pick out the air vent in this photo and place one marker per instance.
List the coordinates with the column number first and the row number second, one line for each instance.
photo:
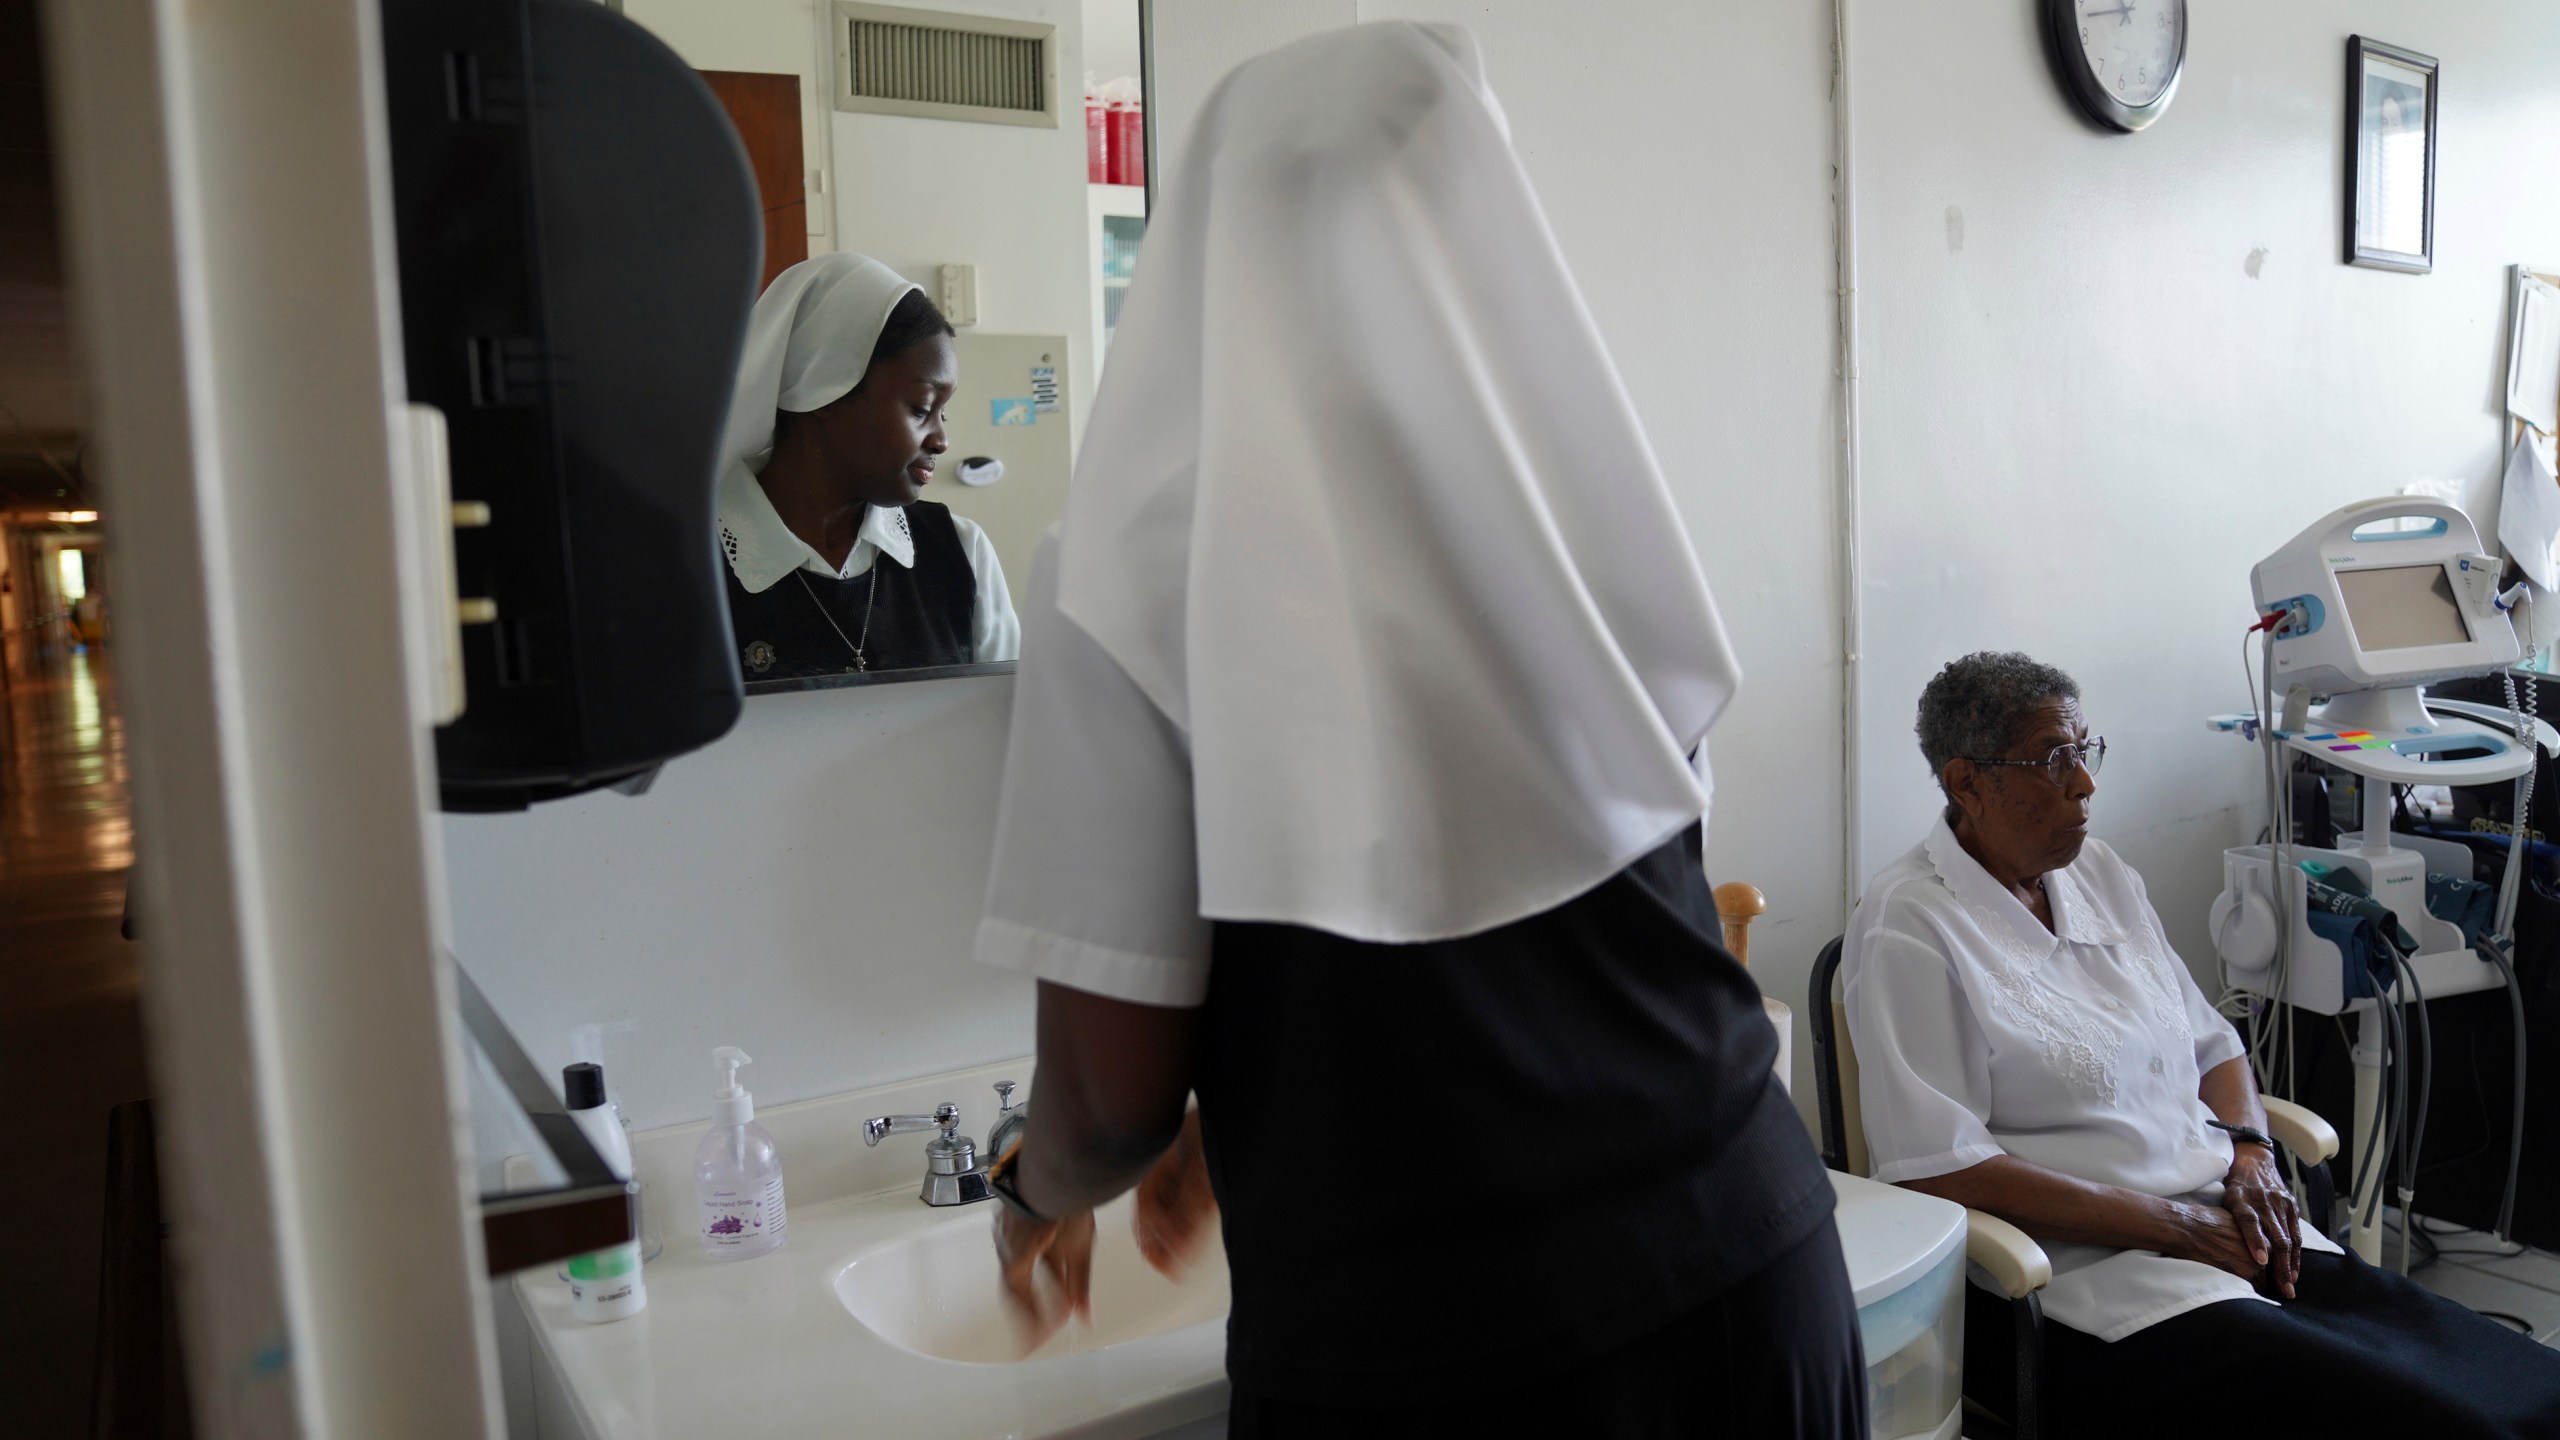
column 944, row 66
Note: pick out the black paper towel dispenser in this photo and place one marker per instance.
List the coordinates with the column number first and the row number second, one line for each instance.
column 579, row 244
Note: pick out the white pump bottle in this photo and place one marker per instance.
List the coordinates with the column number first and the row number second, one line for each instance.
column 737, row 1172
column 606, row 1285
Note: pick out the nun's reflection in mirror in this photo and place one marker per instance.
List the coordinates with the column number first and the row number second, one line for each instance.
column 836, row 565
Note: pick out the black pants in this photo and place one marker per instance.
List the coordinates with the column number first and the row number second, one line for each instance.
column 2358, row 1351
column 1777, row 1355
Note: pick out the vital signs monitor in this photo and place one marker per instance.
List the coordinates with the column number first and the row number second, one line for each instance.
column 2359, row 613
column 2386, row 592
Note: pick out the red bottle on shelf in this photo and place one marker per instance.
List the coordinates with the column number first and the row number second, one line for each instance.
column 1128, row 143
column 1097, row 140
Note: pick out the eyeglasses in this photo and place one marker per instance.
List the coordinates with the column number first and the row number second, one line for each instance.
column 2088, row 755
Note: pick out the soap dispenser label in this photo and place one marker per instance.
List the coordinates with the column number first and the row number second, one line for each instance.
column 744, row 1219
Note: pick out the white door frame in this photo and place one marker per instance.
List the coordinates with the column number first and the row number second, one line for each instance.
column 227, row 185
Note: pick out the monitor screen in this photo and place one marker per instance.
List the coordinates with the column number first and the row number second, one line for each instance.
column 2403, row 607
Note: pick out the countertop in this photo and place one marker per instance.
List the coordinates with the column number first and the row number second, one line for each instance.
column 765, row 1347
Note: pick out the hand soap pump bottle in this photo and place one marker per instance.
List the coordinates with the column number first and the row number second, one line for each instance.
column 737, row 1173
column 605, row 1285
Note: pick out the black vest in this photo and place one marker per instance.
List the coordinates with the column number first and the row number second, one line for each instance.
column 1450, row 1167
column 920, row 615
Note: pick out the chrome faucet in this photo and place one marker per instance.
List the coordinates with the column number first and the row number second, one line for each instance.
column 1011, row 1119
column 952, row 1174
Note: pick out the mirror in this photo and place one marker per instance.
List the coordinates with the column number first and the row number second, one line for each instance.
column 877, row 521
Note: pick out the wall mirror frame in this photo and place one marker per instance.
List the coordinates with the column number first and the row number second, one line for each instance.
column 1013, row 523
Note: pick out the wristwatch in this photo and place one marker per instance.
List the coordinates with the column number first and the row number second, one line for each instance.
column 2243, row 1132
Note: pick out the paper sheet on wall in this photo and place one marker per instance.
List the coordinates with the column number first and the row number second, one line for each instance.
column 2533, row 360
column 2529, row 510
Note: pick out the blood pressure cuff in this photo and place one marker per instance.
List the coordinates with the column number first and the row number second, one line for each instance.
column 2367, row 956
column 2463, row 903
column 2341, row 891
column 2537, row 953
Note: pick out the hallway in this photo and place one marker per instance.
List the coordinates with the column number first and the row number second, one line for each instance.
column 70, row 1025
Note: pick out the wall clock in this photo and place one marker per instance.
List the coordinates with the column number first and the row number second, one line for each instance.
column 2119, row 60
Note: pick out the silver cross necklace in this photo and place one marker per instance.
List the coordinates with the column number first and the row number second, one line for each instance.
column 869, row 594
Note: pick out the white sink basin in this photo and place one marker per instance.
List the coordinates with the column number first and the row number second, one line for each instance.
column 937, row 1293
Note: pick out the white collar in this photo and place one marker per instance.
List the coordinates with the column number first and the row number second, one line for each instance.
column 761, row 549
column 2077, row 915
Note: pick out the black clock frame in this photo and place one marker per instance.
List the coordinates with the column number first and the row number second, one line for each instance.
column 2071, row 66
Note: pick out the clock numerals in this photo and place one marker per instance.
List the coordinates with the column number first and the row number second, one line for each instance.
column 2109, row 70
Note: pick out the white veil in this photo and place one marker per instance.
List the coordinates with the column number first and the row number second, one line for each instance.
column 808, row 342
column 1364, row 509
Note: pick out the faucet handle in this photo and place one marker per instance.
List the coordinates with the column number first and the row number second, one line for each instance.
column 1004, row 1097
column 945, row 1117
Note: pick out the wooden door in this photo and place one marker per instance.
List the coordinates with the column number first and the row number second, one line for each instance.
column 766, row 110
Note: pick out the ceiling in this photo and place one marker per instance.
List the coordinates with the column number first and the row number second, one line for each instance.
column 40, row 391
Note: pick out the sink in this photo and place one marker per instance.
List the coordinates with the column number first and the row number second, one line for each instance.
column 936, row 1293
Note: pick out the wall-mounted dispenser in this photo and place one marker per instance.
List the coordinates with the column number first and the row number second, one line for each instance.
column 579, row 241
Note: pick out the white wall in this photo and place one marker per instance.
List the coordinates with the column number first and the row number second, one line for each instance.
column 805, row 888
column 1111, row 44
column 1009, row 199
column 916, row 194
column 1198, row 41
column 2104, row 375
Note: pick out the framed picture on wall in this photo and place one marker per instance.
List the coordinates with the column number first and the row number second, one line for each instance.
column 2391, row 157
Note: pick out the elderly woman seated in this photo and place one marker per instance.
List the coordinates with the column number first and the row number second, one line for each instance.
column 2029, row 1045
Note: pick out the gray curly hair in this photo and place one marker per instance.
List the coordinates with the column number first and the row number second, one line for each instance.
column 1974, row 708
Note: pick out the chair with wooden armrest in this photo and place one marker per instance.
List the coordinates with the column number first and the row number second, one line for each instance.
column 2007, row 1255
column 1737, row 905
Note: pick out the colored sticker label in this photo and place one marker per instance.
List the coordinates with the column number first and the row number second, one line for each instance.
column 1019, row 411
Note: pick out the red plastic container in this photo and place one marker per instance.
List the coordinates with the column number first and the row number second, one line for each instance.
column 1128, row 145
column 1097, row 141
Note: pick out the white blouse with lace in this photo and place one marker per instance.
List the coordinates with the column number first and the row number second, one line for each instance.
column 2080, row 1049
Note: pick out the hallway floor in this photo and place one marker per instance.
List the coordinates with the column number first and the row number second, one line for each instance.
column 70, row 1025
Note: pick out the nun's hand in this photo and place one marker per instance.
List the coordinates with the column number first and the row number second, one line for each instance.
column 1026, row 1248
column 1175, row 1204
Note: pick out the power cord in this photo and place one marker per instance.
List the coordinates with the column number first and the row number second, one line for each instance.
column 2500, row 952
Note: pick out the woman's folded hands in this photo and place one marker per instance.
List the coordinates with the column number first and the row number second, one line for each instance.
column 2263, row 1212
column 2256, row 1233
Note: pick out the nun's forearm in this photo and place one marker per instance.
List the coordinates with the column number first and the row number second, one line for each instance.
column 1113, row 1082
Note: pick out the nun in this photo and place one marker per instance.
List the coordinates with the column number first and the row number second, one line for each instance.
column 1357, row 786
column 834, row 433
